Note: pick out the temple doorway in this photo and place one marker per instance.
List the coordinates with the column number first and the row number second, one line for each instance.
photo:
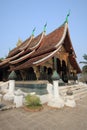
column 59, row 66
column 64, row 72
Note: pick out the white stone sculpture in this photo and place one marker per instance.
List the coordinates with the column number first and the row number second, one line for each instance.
column 70, row 101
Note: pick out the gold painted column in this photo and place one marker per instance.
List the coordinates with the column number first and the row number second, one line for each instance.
column 37, row 71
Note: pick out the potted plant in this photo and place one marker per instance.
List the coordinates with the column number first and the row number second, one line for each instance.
column 32, row 103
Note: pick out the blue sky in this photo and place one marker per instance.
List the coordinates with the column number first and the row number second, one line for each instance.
column 19, row 17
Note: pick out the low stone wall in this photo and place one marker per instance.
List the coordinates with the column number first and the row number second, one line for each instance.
column 39, row 87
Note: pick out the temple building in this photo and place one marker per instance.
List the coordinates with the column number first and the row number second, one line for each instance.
column 37, row 57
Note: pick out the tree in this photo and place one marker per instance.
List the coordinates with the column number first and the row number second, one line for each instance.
column 84, row 68
column 1, row 59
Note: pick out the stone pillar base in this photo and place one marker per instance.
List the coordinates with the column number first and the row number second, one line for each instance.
column 56, row 103
column 18, row 100
column 70, row 101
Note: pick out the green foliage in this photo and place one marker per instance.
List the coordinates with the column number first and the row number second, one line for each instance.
column 85, row 57
column 84, row 69
column 32, row 100
column 83, row 77
column 1, row 58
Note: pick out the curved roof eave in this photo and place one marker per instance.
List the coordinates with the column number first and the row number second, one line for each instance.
column 71, row 42
column 48, row 56
column 57, row 46
column 74, row 63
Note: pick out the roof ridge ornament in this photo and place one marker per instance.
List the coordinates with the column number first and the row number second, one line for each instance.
column 66, row 21
column 33, row 31
column 45, row 27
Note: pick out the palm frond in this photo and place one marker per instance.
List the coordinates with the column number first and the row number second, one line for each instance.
column 85, row 57
column 84, row 69
column 83, row 62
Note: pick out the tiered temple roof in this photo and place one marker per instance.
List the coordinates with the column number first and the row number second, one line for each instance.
column 37, row 50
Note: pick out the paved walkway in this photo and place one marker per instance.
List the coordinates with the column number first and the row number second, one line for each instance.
column 47, row 119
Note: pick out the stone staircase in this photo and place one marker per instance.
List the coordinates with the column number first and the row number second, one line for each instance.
column 79, row 90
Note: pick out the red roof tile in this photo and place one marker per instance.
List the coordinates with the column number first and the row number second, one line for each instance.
column 40, row 47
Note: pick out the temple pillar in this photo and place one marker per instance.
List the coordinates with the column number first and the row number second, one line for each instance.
column 55, row 63
column 37, row 72
column 23, row 74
